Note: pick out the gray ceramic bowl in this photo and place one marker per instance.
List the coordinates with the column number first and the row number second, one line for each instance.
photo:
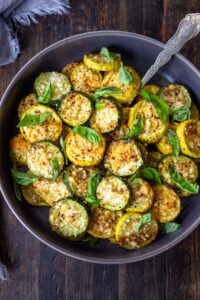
column 138, row 51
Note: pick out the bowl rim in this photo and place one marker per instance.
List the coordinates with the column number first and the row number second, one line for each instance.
column 34, row 231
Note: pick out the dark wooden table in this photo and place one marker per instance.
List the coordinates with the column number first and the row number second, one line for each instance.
column 39, row 273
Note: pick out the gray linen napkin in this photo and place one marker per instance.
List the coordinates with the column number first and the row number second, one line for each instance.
column 15, row 12
column 12, row 13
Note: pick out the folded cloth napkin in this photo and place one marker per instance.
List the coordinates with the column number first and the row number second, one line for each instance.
column 14, row 12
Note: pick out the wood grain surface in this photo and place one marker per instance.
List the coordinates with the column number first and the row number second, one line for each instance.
column 39, row 273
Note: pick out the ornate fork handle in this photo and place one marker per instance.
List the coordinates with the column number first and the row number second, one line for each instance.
column 188, row 28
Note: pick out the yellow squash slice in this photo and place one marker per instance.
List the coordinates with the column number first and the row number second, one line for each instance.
column 154, row 128
column 50, row 129
column 127, row 234
column 82, row 152
column 167, row 205
column 188, row 133
column 129, row 91
column 100, row 63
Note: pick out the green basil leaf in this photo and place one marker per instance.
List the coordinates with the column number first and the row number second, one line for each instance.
column 106, row 91
column 22, row 178
column 182, row 182
column 145, row 219
column 92, row 200
column 136, row 129
column 47, row 95
column 66, row 182
column 180, row 114
column 63, row 147
column 168, row 227
column 107, row 54
column 33, row 120
column 88, row 134
column 124, row 76
column 93, row 183
column 92, row 186
column 161, row 106
column 90, row 239
column 174, row 142
column 147, row 173
column 55, row 167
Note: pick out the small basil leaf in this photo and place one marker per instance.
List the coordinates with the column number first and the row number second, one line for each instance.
column 182, row 182
column 160, row 105
column 90, row 239
column 180, row 114
column 147, row 173
column 55, row 167
column 168, row 227
column 145, row 219
column 66, row 182
column 88, row 134
column 107, row 54
column 174, row 142
column 106, row 91
column 47, row 95
column 124, row 76
column 93, row 183
column 136, row 129
column 33, row 120
column 22, row 178
column 63, row 147
column 92, row 200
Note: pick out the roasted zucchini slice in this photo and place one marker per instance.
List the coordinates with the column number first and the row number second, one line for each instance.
column 150, row 88
column 69, row 219
column 184, row 166
column 103, row 222
column 100, row 63
column 128, row 235
column 194, row 112
column 154, row 158
column 176, row 96
column 50, row 129
column 26, row 103
column 166, row 205
column 85, row 80
column 75, row 109
column 78, row 178
column 123, row 158
column 188, row 133
column 154, row 129
column 107, row 116
column 18, row 149
column 141, row 198
column 129, row 91
column 69, row 68
column 60, row 85
column 31, row 197
column 82, row 152
column 112, row 193
column 40, row 157
column 51, row 191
